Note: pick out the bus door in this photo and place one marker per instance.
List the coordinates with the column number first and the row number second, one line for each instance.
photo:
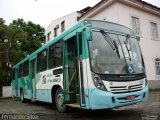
column 16, row 81
column 73, row 77
column 33, row 78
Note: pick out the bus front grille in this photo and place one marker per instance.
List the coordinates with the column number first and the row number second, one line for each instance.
column 131, row 88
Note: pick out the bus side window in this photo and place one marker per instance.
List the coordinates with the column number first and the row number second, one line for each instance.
column 26, row 68
column 58, row 54
column 55, row 55
column 51, row 57
column 42, row 61
column 20, row 70
column 13, row 74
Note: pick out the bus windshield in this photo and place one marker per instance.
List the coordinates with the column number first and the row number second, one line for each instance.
column 112, row 53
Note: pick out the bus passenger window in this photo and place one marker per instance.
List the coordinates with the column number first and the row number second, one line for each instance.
column 42, row 61
column 58, row 54
column 26, row 68
column 55, row 55
column 20, row 70
column 51, row 57
column 13, row 74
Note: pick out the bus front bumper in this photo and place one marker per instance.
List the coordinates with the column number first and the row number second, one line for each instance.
column 103, row 100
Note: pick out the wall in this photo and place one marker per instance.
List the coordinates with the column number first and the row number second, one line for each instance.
column 121, row 14
column 70, row 20
column 6, row 91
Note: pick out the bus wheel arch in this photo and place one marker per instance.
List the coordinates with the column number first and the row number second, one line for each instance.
column 57, row 93
column 53, row 93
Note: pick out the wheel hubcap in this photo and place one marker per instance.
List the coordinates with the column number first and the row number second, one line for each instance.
column 60, row 99
column 21, row 96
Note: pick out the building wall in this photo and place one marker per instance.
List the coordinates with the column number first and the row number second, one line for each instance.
column 70, row 20
column 121, row 14
column 7, row 91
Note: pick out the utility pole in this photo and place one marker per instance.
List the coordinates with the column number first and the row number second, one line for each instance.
column 8, row 64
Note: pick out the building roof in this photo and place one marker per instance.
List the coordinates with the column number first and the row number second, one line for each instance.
column 84, row 10
column 134, row 3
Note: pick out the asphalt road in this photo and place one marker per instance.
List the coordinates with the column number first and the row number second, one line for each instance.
column 14, row 109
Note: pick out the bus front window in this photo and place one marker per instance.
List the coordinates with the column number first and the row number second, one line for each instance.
column 111, row 53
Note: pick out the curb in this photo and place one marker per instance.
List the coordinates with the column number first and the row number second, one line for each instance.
column 1, row 98
column 154, row 89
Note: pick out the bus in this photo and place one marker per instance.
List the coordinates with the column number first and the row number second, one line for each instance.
column 93, row 65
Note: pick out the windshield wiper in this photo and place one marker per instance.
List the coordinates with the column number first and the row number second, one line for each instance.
column 110, row 41
column 128, row 50
column 128, row 41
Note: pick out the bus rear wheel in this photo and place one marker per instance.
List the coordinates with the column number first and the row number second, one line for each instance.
column 59, row 101
column 23, row 100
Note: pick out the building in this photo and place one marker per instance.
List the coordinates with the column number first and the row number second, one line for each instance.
column 59, row 25
column 144, row 19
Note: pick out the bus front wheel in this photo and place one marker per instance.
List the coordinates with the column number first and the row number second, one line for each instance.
column 59, row 100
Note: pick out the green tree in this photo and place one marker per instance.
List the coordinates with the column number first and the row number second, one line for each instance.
column 4, row 69
column 35, row 35
column 23, row 38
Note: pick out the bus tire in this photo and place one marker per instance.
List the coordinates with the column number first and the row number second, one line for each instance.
column 23, row 100
column 59, row 100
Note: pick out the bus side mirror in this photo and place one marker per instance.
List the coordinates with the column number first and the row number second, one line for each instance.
column 88, row 33
column 138, row 38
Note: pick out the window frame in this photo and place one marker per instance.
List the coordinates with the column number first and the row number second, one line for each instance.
column 139, row 22
column 156, row 29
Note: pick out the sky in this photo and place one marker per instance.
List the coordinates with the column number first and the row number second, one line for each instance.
column 44, row 11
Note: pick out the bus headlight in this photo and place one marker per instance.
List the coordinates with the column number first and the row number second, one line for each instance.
column 98, row 82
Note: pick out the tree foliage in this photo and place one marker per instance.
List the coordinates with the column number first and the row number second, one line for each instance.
column 22, row 37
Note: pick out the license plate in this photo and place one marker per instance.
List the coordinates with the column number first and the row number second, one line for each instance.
column 131, row 97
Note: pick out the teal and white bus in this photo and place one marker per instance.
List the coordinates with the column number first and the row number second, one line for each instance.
column 93, row 65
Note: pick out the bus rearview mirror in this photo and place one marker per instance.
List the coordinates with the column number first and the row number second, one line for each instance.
column 88, row 33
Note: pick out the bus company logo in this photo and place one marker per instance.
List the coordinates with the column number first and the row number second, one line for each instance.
column 111, row 83
column 44, row 80
column 129, row 88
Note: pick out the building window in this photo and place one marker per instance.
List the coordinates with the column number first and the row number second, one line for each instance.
column 135, row 25
column 154, row 30
column 48, row 36
column 157, row 66
column 55, row 30
column 62, row 26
